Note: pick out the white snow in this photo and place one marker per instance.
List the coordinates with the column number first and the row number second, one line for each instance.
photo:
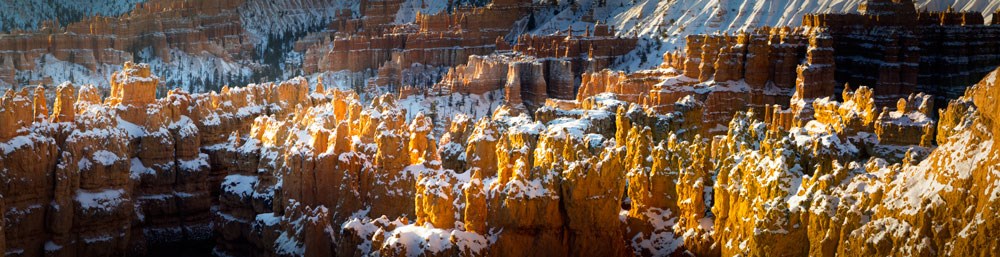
column 417, row 240
column 529, row 188
column 104, row 157
column 408, row 10
column 264, row 18
column 240, row 185
column 198, row 72
column 473, row 105
column 133, row 131
column 562, row 127
column 97, row 239
column 268, row 219
column 29, row 14
column 196, row 164
column 48, row 66
column 19, row 142
column 661, row 241
column 663, row 25
column 285, row 244
column 102, row 200
column 52, row 247
column 137, row 169
column 921, row 185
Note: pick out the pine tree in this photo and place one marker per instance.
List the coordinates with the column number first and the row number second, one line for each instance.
column 433, row 111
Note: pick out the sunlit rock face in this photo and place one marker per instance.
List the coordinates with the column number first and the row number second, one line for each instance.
column 279, row 169
column 475, row 138
column 100, row 184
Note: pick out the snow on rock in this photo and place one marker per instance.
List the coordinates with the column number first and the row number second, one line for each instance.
column 401, row 239
column 199, row 72
column 22, row 142
column 104, row 157
column 662, row 241
column 924, row 186
column 663, row 25
column 418, row 240
column 275, row 19
column 106, row 200
column 240, row 185
column 137, row 169
column 48, row 66
column 442, row 108
column 196, row 164
column 410, row 8
column 29, row 14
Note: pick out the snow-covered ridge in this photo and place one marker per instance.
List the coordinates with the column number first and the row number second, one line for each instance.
column 29, row 14
column 409, row 9
column 271, row 19
column 663, row 25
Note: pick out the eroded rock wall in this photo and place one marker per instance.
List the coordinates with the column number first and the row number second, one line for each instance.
column 317, row 173
column 898, row 51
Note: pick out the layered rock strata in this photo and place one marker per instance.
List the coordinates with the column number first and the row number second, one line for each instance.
column 108, row 178
column 224, row 35
column 897, row 50
column 444, row 39
column 320, row 173
column 526, row 81
column 158, row 27
column 752, row 69
column 452, row 39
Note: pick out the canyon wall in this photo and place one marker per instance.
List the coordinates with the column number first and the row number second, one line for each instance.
column 658, row 162
column 897, row 50
column 728, row 73
column 894, row 50
column 208, row 43
column 451, row 39
column 443, row 39
column 275, row 169
column 106, row 178
column 152, row 30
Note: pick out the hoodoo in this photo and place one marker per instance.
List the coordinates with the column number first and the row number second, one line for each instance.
column 499, row 128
